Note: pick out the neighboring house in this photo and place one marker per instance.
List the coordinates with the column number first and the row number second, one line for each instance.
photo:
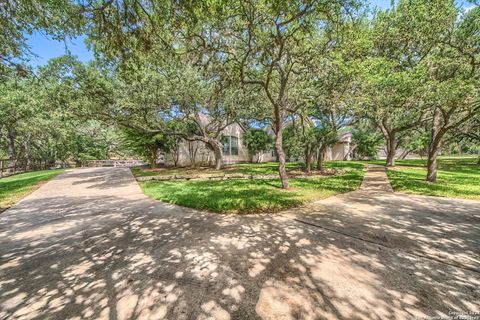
column 342, row 150
column 234, row 151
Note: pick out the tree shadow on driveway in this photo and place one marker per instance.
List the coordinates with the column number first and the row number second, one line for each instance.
column 128, row 257
column 447, row 230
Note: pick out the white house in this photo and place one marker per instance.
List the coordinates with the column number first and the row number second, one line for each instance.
column 342, row 149
column 234, row 150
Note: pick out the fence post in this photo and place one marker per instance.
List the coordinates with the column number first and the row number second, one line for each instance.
column 1, row 168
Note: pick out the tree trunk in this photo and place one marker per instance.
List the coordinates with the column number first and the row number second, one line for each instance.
column 192, row 151
column 176, row 155
column 308, row 161
column 320, row 162
column 153, row 158
column 217, row 152
column 11, row 151
column 281, row 155
column 193, row 162
column 434, row 147
column 391, row 148
column 218, row 159
column 259, row 157
column 432, row 165
column 349, row 152
column 404, row 154
column 27, row 157
column 321, row 151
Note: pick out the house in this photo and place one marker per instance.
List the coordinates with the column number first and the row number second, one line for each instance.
column 342, row 150
column 234, row 150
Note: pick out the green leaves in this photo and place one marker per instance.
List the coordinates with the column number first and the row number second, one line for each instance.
column 366, row 140
column 407, row 32
column 257, row 140
column 18, row 19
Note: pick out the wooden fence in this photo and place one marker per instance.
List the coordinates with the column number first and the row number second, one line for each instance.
column 8, row 167
column 113, row 163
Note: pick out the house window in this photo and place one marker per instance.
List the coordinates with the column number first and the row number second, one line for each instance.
column 230, row 145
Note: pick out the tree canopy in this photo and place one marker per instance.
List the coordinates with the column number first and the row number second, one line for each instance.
column 169, row 72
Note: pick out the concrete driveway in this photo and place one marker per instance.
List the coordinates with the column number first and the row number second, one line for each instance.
column 89, row 245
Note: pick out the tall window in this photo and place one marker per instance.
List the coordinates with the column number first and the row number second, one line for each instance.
column 230, row 145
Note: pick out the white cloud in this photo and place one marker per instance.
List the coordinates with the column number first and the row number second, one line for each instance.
column 470, row 7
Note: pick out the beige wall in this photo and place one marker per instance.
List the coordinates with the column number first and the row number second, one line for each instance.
column 337, row 152
column 268, row 156
column 340, row 151
column 204, row 156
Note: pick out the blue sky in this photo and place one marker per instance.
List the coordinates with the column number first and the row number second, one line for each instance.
column 45, row 49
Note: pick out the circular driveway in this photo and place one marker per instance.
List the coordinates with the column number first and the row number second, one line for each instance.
column 90, row 245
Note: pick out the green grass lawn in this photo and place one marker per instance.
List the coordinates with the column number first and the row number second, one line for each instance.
column 15, row 187
column 457, row 177
column 249, row 196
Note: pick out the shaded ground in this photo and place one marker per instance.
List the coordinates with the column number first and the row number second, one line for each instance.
column 89, row 244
